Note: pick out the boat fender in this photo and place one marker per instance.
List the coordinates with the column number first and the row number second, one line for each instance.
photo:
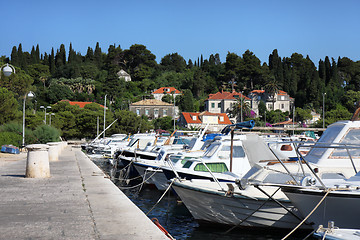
column 156, row 222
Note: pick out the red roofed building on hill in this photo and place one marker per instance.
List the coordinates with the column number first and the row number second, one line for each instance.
column 81, row 104
column 223, row 102
column 161, row 92
column 216, row 121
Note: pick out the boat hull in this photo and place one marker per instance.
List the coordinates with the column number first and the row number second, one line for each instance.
column 213, row 207
column 340, row 207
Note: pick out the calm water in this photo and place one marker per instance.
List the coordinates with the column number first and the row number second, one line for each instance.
column 177, row 220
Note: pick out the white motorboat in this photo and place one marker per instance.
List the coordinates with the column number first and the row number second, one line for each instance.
column 333, row 200
column 254, row 192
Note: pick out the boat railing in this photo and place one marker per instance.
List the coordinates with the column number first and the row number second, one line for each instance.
column 302, row 159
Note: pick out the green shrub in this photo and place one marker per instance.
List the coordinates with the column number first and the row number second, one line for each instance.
column 10, row 138
column 46, row 133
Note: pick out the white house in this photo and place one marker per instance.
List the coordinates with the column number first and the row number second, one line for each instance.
column 124, row 75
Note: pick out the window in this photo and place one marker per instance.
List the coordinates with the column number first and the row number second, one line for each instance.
column 238, row 152
column 282, row 106
column 221, row 118
column 194, row 118
column 146, row 112
column 212, row 105
column 187, row 164
column 138, row 112
column 164, row 112
column 282, row 98
column 214, row 167
column 219, row 105
column 211, row 150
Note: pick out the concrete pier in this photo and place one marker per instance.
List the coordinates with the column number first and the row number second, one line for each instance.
column 77, row 202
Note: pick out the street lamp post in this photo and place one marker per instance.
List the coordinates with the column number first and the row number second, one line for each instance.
column 50, row 114
column 29, row 95
column 104, row 116
column 174, row 112
column 324, row 109
column 42, row 107
column 241, row 107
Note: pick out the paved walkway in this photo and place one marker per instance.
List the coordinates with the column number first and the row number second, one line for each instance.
column 77, row 202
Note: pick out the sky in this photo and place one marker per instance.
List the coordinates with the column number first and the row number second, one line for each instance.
column 317, row 28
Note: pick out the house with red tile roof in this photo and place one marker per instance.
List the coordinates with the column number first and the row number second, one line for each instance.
column 161, row 92
column 223, row 102
column 216, row 121
column 281, row 101
column 81, row 104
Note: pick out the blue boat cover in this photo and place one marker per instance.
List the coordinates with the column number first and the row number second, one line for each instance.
column 248, row 124
column 10, row 149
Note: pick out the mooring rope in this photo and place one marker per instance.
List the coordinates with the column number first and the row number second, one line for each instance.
column 172, row 181
column 142, row 182
column 323, row 198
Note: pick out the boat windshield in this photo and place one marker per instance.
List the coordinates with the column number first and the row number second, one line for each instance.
column 238, row 152
column 352, row 137
column 327, row 137
column 161, row 154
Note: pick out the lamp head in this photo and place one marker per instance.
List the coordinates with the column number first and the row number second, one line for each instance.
column 31, row 94
column 8, row 70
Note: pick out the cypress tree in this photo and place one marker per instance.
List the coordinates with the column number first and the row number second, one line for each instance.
column 37, row 53
column 52, row 65
column 98, row 56
column 60, row 57
column 89, row 57
column 72, row 55
column 14, row 56
column 327, row 70
column 22, row 61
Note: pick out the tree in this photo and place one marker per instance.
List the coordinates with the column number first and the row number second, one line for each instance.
column 60, row 57
column 8, row 106
column 272, row 88
column 173, row 62
column 241, row 107
column 187, row 101
column 302, row 114
column 164, row 123
column 250, row 70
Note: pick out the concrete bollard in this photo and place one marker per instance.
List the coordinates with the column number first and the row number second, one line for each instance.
column 37, row 164
column 54, row 149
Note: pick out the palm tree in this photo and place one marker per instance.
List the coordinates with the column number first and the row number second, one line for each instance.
column 272, row 88
column 236, row 109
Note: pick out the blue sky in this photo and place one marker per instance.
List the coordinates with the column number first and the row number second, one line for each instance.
column 190, row 28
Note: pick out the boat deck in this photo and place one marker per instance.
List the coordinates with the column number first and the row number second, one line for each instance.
column 77, row 202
